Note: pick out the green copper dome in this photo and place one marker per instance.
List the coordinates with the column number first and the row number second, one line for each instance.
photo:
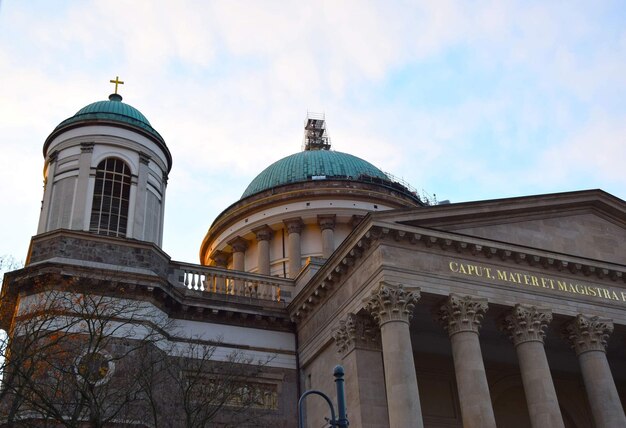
column 113, row 110
column 314, row 165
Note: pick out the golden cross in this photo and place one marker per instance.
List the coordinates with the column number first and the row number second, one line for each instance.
column 117, row 81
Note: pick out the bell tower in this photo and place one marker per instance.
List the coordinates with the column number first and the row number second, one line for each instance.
column 106, row 172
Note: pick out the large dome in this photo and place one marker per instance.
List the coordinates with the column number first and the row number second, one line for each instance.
column 113, row 110
column 313, row 165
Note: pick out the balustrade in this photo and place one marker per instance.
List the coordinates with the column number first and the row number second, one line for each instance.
column 222, row 281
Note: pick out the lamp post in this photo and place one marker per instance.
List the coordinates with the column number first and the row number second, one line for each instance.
column 342, row 421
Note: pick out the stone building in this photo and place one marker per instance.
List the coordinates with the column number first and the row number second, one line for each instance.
column 508, row 313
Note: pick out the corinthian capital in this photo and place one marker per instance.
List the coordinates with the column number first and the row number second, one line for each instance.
column 294, row 225
column 525, row 323
column 588, row 333
column 390, row 302
column 462, row 313
column 355, row 331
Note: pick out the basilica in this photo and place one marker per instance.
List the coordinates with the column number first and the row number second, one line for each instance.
column 505, row 313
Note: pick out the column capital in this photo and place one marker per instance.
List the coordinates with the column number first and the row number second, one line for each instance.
column 526, row 323
column 588, row 333
column 355, row 220
column 144, row 158
column 326, row 221
column 392, row 302
column 356, row 332
column 86, row 147
column 238, row 244
column 462, row 313
column 263, row 233
column 220, row 258
column 52, row 157
column 293, row 225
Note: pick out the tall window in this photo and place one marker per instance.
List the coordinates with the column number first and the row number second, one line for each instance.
column 109, row 211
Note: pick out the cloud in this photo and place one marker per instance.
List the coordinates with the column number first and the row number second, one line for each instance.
column 464, row 99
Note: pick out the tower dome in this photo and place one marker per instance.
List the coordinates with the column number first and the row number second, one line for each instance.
column 112, row 112
column 314, row 165
column 106, row 172
column 303, row 205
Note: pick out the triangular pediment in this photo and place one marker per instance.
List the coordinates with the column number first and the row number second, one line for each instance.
column 589, row 224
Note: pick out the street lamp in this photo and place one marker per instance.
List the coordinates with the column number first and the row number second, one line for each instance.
column 342, row 422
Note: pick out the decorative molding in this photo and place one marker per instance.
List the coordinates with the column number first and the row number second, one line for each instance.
column 294, row 225
column 326, row 221
column 356, row 332
column 220, row 258
column 52, row 157
column 391, row 302
column 238, row 244
column 462, row 245
column 462, row 313
column 355, row 220
column 86, row 147
column 526, row 323
column 144, row 158
column 263, row 233
column 588, row 333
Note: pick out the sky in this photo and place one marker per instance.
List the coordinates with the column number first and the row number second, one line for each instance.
column 466, row 100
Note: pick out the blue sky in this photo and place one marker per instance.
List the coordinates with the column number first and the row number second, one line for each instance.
column 467, row 100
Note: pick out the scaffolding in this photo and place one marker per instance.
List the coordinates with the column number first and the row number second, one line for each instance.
column 315, row 135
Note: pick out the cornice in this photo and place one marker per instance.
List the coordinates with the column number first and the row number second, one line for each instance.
column 315, row 190
column 372, row 231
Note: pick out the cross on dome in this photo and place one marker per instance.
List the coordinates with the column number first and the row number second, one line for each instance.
column 117, row 81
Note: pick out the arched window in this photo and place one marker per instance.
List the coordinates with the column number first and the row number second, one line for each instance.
column 109, row 211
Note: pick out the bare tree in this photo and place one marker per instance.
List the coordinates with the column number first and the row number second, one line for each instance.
column 76, row 358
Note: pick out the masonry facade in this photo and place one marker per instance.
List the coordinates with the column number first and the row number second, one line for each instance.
column 503, row 313
column 466, row 330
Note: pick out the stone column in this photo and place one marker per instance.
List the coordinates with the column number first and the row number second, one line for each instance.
column 137, row 227
column 294, row 228
column 264, row 235
column 239, row 246
column 525, row 326
column 82, row 206
column 220, row 258
column 358, row 343
column 588, row 336
column 392, row 309
column 47, row 193
column 327, row 225
column 461, row 316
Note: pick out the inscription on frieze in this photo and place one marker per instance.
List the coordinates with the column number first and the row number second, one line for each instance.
column 530, row 280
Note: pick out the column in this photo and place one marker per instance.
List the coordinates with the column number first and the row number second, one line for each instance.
column 137, row 230
column 82, row 214
column 588, row 336
column 525, row 326
column 392, row 308
column 264, row 235
column 358, row 343
column 239, row 246
column 294, row 228
column 327, row 225
column 461, row 316
column 220, row 258
column 47, row 193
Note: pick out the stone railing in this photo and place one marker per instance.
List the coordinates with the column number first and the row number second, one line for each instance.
column 222, row 281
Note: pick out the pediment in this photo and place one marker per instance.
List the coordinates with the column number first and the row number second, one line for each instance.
column 589, row 224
